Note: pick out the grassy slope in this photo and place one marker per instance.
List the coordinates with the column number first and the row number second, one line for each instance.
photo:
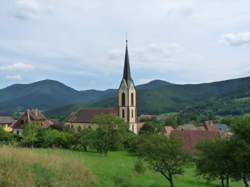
column 27, row 168
column 118, row 166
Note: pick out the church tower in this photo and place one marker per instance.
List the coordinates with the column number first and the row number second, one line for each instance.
column 127, row 96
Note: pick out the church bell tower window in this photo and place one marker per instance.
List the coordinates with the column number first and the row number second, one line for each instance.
column 123, row 99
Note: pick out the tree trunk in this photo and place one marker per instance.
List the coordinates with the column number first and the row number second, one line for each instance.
column 171, row 181
column 227, row 180
column 245, row 181
column 222, row 182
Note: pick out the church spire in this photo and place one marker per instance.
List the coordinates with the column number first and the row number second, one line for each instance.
column 126, row 71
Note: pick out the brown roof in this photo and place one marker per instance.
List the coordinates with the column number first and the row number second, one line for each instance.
column 191, row 137
column 186, row 127
column 208, row 125
column 6, row 120
column 85, row 115
column 32, row 115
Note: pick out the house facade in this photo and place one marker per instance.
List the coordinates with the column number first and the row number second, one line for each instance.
column 6, row 123
column 33, row 115
column 83, row 118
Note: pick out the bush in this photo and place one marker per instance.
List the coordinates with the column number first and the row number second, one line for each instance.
column 139, row 167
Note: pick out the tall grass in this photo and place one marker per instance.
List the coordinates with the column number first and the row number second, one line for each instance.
column 26, row 168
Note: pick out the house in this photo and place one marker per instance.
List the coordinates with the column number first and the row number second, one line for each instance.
column 145, row 117
column 190, row 138
column 209, row 126
column 83, row 118
column 6, row 123
column 164, row 118
column 30, row 116
column 167, row 130
column 186, row 127
column 222, row 127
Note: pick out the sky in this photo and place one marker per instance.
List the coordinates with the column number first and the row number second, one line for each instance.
column 82, row 42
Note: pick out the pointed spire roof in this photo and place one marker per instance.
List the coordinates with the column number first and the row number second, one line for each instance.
column 126, row 71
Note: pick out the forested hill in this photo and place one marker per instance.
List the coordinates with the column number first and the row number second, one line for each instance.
column 49, row 94
column 223, row 98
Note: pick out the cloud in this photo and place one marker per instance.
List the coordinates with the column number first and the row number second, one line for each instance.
column 26, row 9
column 19, row 67
column 13, row 77
column 237, row 39
column 159, row 57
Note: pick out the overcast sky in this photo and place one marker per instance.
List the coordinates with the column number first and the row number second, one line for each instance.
column 81, row 42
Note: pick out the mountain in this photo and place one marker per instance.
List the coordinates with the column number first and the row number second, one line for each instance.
column 50, row 94
column 153, row 84
column 156, row 97
column 45, row 95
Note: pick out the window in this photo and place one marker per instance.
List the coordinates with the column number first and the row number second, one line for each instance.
column 132, row 99
column 123, row 99
column 132, row 113
column 123, row 113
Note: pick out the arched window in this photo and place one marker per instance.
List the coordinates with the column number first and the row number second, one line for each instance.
column 123, row 99
column 123, row 113
column 132, row 99
column 132, row 113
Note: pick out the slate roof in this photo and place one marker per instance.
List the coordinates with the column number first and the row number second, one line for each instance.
column 191, row 137
column 86, row 115
column 221, row 127
column 6, row 120
column 126, row 71
column 32, row 115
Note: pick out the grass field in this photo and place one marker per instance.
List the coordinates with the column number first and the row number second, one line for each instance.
column 70, row 168
column 118, row 170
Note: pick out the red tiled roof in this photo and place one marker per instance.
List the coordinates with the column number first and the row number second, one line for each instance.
column 191, row 137
column 6, row 120
column 85, row 115
column 32, row 115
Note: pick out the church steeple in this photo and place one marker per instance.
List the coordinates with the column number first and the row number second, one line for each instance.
column 127, row 96
column 126, row 71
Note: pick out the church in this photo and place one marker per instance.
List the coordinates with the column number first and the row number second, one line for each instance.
column 126, row 108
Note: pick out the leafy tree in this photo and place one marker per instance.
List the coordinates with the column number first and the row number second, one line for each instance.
column 214, row 160
column 110, row 134
column 30, row 134
column 55, row 138
column 241, row 149
column 82, row 140
column 164, row 155
column 5, row 137
column 148, row 128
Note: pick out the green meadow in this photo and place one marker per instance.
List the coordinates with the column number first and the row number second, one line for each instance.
column 55, row 167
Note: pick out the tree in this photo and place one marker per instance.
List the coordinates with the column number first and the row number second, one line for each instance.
column 164, row 155
column 240, row 147
column 30, row 134
column 82, row 140
column 214, row 160
column 148, row 128
column 110, row 134
column 54, row 138
column 5, row 137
